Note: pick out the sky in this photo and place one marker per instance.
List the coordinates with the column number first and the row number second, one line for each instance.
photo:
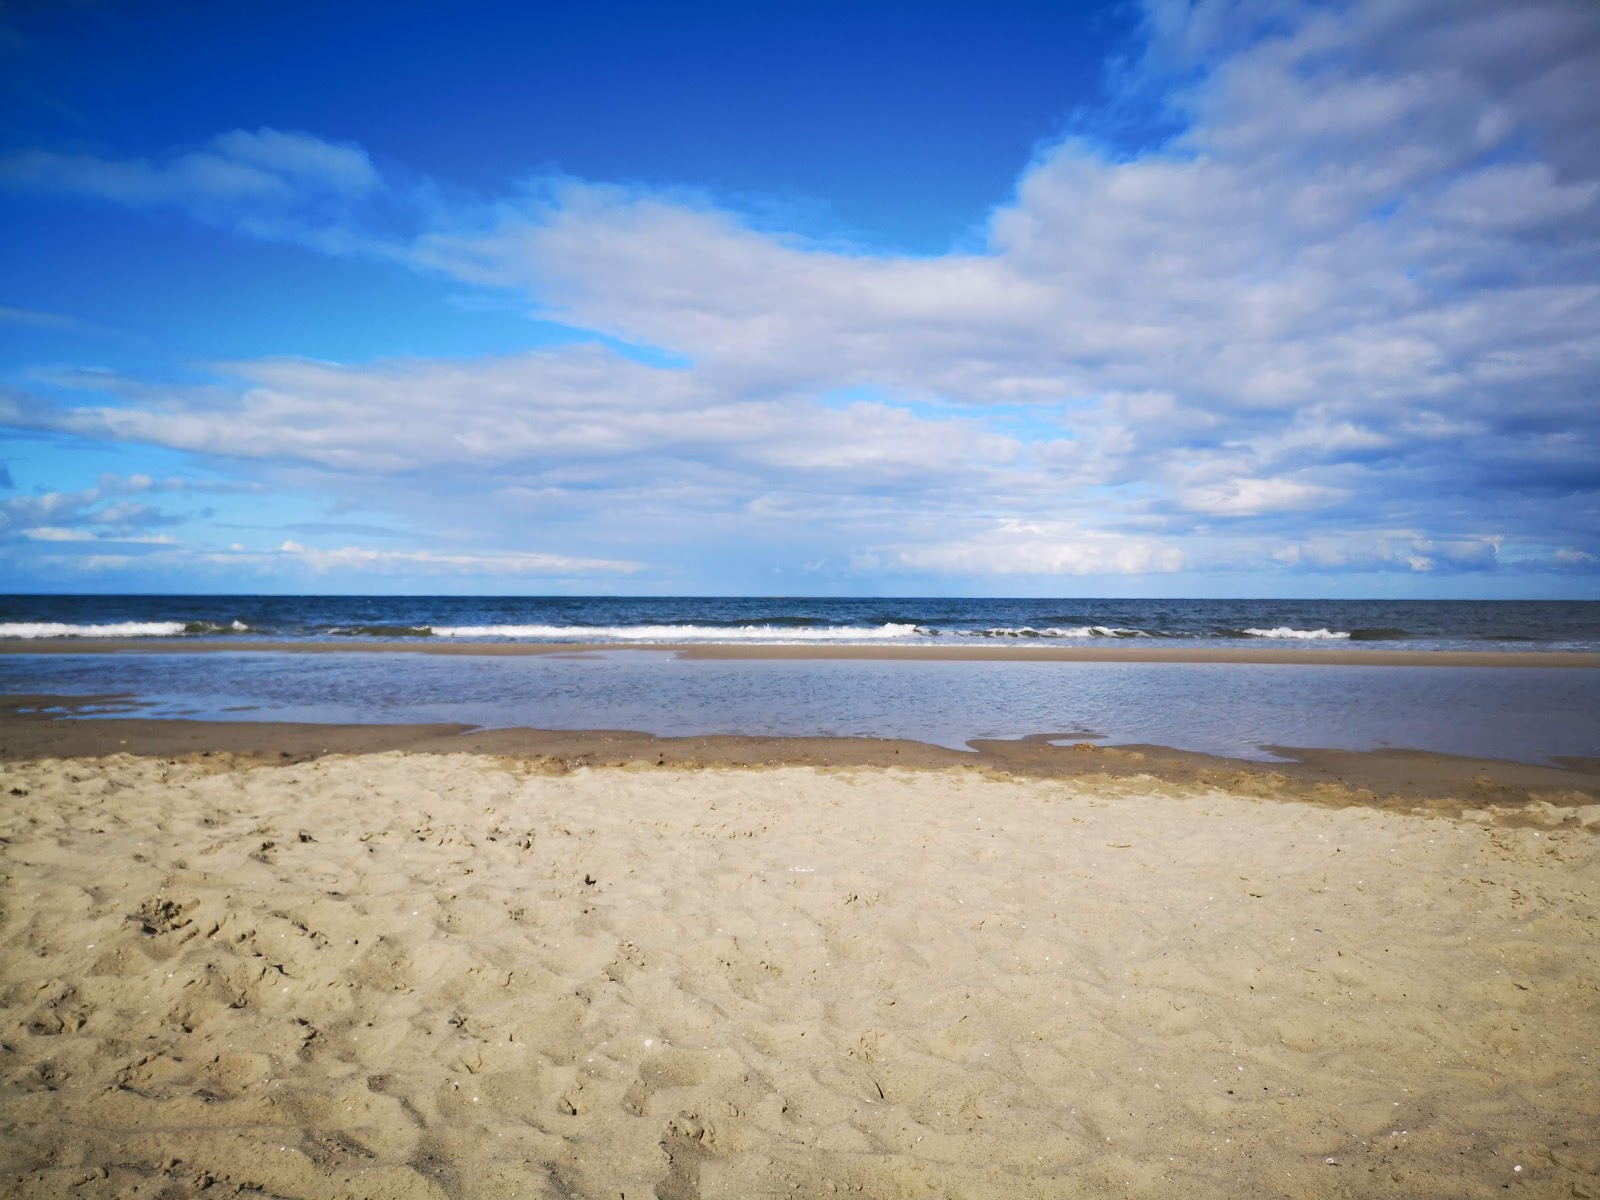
column 1245, row 298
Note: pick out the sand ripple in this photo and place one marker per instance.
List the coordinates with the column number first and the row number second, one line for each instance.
column 445, row 976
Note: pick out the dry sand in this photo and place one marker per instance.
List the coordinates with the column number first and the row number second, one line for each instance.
column 398, row 975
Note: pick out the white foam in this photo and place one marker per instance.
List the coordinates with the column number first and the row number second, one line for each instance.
column 681, row 633
column 1304, row 635
column 1056, row 631
column 120, row 629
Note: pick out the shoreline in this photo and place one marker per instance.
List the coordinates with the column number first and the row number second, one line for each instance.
column 1122, row 653
column 1417, row 781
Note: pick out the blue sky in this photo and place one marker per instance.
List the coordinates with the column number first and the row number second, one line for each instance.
column 1249, row 298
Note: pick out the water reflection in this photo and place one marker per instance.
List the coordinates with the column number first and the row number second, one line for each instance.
column 1235, row 709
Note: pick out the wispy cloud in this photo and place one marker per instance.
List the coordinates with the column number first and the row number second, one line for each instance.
column 264, row 183
column 239, row 168
column 366, row 558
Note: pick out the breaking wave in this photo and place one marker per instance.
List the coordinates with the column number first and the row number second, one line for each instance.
column 116, row 629
column 1300, row 635
column 120, row 629
column 1053, row 631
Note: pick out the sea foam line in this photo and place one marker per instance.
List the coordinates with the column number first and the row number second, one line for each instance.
column 1307, row 635
column 119, row 629
column 1056, row 631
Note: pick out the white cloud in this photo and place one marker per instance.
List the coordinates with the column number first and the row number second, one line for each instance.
column 551, row 415
column 366, row 558
column 104, row 510
column 51, row 533
column 190, row 180
column 266, row 183
column 302, row 157
column 1392, row 549
column 1251, row 497
column 1365, row 278
column 1045, row 548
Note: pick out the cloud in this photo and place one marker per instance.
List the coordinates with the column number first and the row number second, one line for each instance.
column 1357, row 293
column 236, row 166
column 303, row 158
column 1045, row 548
column 432, row 562
column 556, row 415
column 1388, row 550
column 48, row 320
column 1250, row 497
column 266, row 183
column 51, row 533
column 104, row 510
column 1366, row 276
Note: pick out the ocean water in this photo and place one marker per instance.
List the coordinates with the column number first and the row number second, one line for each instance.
column 1401, row 625
column 1527, row 714
column 1240, row 710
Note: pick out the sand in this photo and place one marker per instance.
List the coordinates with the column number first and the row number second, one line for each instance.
column 470, row 975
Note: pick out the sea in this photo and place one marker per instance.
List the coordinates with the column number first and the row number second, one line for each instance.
column 1245, row 710
column 1396, row 624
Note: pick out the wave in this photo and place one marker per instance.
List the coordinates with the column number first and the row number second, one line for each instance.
column 119, row 629
column 1052, row 631
column 212, row 627
column 1300, row 635
column 1378, row 635
column 682, row 633
column 116, row 629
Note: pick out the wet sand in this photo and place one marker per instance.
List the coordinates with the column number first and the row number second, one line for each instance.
column 33, row 727
column 428, row 961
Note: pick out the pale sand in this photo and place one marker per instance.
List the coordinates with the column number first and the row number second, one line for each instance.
column 447, row 975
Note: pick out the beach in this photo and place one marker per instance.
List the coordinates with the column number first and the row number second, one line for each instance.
column 431, row 961
column 786, row 602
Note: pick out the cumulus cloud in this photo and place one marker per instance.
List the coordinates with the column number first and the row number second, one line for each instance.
column 1359, row 292
column 106, row 510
